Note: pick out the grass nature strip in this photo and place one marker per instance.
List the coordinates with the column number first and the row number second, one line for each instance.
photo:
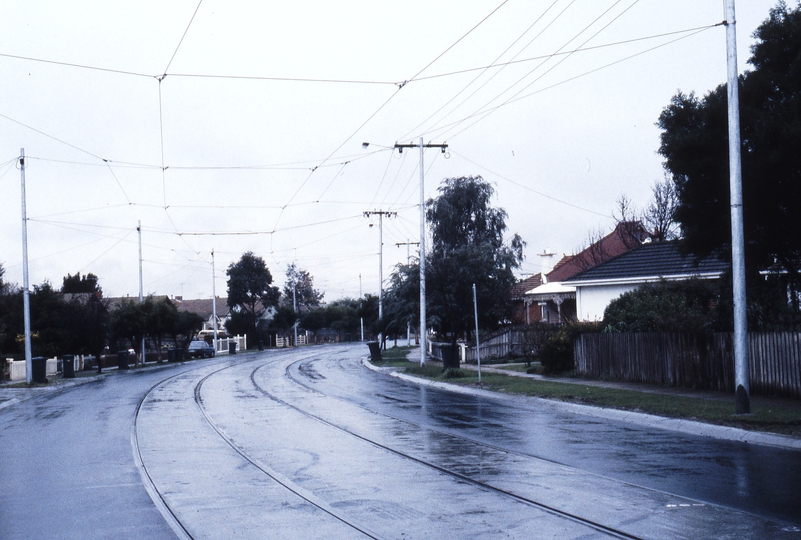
column 782, row 416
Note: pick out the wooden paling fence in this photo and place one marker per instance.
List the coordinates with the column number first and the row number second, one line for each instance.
column 704, row 361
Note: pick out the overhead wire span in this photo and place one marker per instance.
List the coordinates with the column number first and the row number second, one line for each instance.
column 561, row 60
column 255, row 233
column 182, row 39
column 380, row 108
column 579, row 76
column 443, row 53
column 518, row 184
column 384, row 176
column 73, row 65
column 483, row 70
column 106, row 251
column 40, row 132
column 572, row 51
column 283, row 79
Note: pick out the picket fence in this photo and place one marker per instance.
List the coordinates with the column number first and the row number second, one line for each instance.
column 704, row 361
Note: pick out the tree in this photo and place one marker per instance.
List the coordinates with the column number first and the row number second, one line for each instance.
column 468, row 248
column 659, row 217
column 694, row 144
column 128, row 322
column 301, row 284
column 80, row 284
column 667, row 306
column 250, row 292
column 284, row 319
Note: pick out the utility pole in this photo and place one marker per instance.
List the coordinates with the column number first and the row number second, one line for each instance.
column 422, row 147
column 380, row 214
column 361, row 319
column 741, row 375
column 214, row 299
column 408, row 262
column 26, row 290
column 478, row 343
column 141, row 288
column 295, row 307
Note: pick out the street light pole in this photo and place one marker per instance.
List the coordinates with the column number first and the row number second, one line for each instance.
column 26, row 290
column 141, row 287
column 214, row 300
column 741, row 375
column 380, row 214
column 422, row 146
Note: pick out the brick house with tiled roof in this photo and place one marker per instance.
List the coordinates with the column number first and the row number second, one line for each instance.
column 651, row 262
column 555, row 299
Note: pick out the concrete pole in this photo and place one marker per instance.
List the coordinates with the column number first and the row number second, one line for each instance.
column 478, row 344
column 295, row 307
column 380, row 266
column 214, row 300
column 741, row 375
column 26, row 289
column 423, row 345
column 141, row 287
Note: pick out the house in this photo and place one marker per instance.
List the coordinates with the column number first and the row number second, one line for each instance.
column 205, row 308
column 525, row 309
column 651, row 262
column 556, row 298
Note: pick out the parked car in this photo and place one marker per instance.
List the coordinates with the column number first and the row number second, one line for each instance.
column 200, row 349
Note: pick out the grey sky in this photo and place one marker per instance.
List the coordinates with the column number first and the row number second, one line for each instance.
column 277, row 167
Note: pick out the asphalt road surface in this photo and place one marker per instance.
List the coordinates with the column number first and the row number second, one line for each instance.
column 309, row 443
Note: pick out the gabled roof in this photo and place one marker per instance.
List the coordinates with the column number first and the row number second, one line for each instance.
column 626, row 236
column 204, row 307
column 524, row 285
column 652, row 261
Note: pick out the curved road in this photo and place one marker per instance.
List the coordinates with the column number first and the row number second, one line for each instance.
column 309, row 444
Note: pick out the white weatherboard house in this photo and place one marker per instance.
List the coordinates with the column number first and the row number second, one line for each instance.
column 648, row 263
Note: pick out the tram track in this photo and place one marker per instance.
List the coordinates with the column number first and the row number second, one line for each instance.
column 594, row 525
column 216, row 418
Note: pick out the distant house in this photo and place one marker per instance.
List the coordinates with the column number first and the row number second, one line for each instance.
column 555, row 297
column 526, row 310
column 651, row 262
column 205, row 308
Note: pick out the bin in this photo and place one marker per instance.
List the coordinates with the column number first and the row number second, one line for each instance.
column 375, row 351
column 261, row 345
column 171, row 355
column 68, row 366
column 39, row 369
column 122, row 359
column 232, row 347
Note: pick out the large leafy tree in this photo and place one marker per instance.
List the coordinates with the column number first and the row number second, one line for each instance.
column 250, row 291
column 301, row 284
column 468, row 248
column 694, row 143
column 80, row 284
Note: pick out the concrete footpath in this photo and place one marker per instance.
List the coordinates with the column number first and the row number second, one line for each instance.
column 681, row 425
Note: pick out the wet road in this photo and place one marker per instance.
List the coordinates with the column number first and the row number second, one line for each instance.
column 310, row 444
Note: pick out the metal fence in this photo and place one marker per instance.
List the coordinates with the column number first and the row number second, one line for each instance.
column 703, row 361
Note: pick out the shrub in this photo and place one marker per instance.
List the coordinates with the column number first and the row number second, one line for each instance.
column 556, row 354
column 666, row 306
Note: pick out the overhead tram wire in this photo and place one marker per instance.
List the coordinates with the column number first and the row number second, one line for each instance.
column 384, row 104
column 570, row 79
column 694, row 31
column 486, row 68
column 561, row 60
column 182, row 38
column 518, row 184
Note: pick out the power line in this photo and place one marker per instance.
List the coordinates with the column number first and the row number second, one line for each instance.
column 518, row 184
column 182, row 39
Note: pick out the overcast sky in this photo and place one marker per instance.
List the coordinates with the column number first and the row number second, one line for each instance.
column 253, row 139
